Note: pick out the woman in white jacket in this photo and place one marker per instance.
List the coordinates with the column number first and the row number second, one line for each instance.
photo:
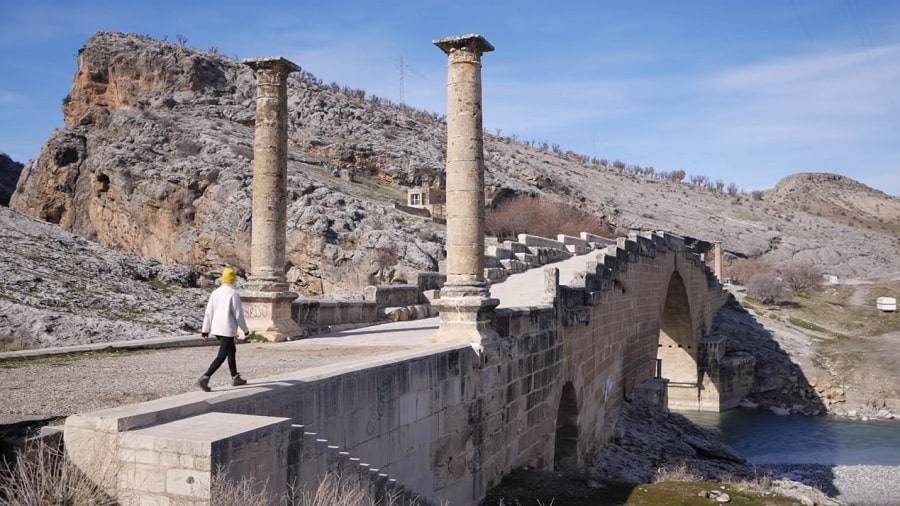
column 224, row 314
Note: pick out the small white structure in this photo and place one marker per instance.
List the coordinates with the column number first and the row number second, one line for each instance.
column 886, row 304
column 418, row 197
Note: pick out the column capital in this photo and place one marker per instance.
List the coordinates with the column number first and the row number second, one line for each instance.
column 472, row 42
column 272, row 64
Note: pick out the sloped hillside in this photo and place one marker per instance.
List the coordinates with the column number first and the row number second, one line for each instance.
column 59, row 289
column 156, row 156
column 840, row 199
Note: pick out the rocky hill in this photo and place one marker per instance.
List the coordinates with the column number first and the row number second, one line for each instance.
column 59, row 289
column 9, row 176
column 840, row 199
column 156, row 159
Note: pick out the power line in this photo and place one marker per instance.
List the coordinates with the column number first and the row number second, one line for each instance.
column 402, row 74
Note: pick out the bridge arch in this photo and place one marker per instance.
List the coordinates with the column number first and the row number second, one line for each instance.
column 565, row 455
column 677, row 348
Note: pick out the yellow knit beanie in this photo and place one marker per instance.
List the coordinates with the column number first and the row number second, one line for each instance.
column 229, row 276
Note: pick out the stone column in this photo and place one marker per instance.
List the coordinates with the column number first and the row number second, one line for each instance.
column 718, row 260
column 465, row 304
column 267, row 298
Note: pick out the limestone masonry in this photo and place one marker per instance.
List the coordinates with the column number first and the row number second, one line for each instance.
column 267, row 298
column 536, row 381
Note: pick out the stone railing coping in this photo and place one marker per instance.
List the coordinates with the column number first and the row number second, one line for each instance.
column 167, row 409
column 541, row 242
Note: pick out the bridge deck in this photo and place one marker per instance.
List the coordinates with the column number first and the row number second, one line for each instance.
column 58, row 386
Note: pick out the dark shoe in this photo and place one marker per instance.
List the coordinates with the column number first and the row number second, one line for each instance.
column 203, row 383
column 237, row 380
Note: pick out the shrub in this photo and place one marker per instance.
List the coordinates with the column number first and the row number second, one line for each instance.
column 543, row 217
column 43, row 475
column 802, row 276
column 768, row 288
column 741, row 270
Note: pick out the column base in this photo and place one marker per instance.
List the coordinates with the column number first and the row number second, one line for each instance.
column 465, row 319
column 269, row 314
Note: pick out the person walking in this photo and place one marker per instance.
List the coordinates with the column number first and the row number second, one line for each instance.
column 224, row 314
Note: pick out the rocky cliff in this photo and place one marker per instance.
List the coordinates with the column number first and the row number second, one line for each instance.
column 156, row 159
column 9, row 176
column 59, row 289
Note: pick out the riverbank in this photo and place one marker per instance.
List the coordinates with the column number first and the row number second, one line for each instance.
column 850, row 484
column 653, row 453
column 841, row 350
column 853, row 461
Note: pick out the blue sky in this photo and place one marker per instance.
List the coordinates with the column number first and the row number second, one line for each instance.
column 743, row 91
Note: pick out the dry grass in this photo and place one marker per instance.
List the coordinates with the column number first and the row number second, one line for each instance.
column 43, row 475
column 759, row 484
column 680, row 472
column 331, row 490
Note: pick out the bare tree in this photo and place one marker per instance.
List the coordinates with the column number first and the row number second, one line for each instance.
column 802, row 276
column 768, row 288
column 742, row 269
column 181, row 39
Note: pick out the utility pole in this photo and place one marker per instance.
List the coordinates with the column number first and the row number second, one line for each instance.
column 402, row 74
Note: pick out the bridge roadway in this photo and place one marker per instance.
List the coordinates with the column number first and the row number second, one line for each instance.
column 61, row 385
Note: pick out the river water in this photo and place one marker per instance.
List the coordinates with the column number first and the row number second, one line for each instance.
column 857, row 462
column 764, row 438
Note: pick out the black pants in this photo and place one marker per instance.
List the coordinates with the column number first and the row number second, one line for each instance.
column 227, row 350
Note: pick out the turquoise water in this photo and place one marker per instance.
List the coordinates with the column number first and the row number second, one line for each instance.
column 764, row 438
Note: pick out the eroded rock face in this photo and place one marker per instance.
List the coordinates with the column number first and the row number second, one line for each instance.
column 9, row 176
column 156, row 159
column 58, row 289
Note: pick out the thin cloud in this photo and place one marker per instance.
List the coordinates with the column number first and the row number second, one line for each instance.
column 11, row 98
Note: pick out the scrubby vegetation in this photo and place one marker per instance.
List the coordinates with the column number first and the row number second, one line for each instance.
column 42, row 475
column 775, row 284
column 544, row 217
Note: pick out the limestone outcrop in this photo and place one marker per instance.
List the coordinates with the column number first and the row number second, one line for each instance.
column 155, row 159
column 59, row 289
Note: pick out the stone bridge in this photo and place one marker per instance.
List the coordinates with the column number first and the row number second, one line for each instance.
column 530, row 371
column 446, row 421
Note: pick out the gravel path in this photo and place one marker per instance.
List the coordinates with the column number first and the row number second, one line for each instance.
column 62, row 385
column 850, row 484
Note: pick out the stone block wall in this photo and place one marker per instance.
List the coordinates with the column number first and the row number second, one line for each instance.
column 312, row 313
column 394, row 295
column 448, row 423
column 174, row 462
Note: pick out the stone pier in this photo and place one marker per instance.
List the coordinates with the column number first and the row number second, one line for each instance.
column 465, row 304
column 267, row 297
column 718, row 260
